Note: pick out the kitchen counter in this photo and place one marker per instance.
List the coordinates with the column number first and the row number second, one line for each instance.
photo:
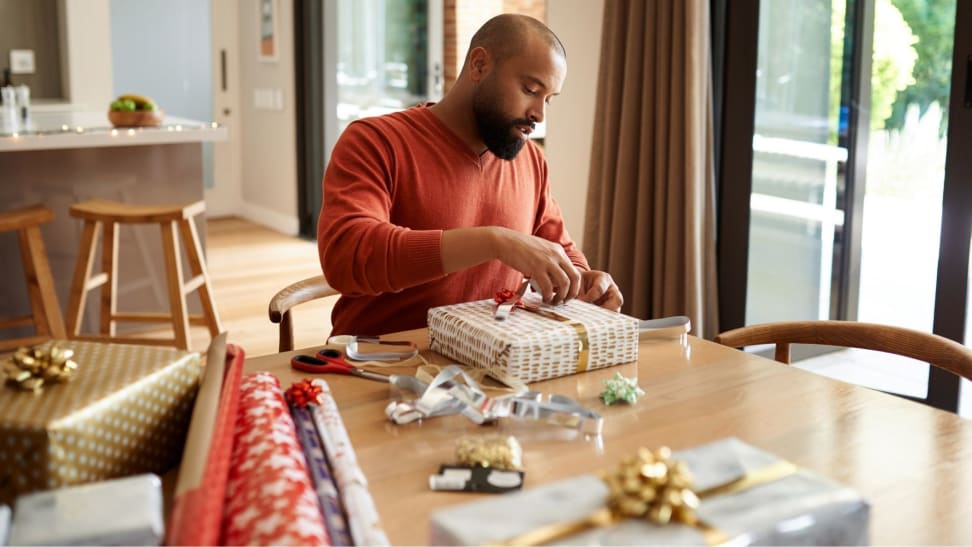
column 67, row 129
column 64, row 157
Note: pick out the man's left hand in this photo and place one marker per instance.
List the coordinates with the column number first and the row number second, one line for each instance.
column 599, row 288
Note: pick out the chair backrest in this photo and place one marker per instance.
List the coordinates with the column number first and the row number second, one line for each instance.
column 292, row 295
column 923, row 346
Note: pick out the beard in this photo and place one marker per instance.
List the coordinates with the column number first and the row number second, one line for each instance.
column 499, row 133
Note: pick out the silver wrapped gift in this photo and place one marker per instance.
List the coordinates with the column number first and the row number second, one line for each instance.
column 125, row 511
column 801, row 508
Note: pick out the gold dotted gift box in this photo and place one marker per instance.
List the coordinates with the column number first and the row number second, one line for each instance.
column 125, row 411
column 549, row 342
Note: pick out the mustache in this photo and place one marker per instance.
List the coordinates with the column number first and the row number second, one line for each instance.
column 523, row 121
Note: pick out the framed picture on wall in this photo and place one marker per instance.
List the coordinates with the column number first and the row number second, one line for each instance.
column 268, row 31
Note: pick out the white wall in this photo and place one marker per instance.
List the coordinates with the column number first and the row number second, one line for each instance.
column 85, row 36
column 150, row 38
column 570, row 118
column 269, row 142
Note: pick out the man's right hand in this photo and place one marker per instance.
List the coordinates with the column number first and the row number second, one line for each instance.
column 543, row 261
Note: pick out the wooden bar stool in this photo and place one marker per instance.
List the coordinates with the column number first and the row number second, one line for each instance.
column 100, row 215
column 45, row 311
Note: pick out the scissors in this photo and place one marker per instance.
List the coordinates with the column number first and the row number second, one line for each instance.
column 332, row 361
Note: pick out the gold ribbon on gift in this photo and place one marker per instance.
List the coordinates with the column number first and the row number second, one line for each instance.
column 30, row 368
column 652, row 486
column 583, row 343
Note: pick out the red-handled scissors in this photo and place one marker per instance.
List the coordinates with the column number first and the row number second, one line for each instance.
column 332, row 361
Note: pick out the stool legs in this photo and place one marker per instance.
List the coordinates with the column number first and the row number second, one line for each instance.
column 171, row 230
column 109, row 265
column 46, row 313
column 197, row 266
column 177, row 296
column 83, row 282
column 40, row 283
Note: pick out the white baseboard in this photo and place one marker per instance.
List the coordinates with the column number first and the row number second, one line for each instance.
column 285, row 224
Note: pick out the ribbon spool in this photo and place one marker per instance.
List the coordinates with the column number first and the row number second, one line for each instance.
column 453, row 391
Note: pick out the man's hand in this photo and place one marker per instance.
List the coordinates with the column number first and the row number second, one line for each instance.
column 599, row 288
column 544, row 262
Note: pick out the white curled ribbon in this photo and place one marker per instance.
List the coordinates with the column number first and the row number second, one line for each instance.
column 453, row 391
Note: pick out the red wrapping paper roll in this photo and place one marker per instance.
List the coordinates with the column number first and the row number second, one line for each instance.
column 269, row 497
column 197, row 509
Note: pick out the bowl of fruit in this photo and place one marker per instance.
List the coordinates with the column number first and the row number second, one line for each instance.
column 132, row 110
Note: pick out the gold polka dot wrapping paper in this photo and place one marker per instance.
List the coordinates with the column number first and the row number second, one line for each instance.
column 126, row 410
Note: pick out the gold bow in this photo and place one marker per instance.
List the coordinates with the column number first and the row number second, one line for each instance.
column 495, row 451
column 30, row 368
column 653, row 486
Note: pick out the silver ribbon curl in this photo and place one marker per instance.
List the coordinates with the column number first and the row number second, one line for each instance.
column 453, row 391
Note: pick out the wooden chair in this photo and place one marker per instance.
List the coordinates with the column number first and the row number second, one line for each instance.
column 295, row 294
column 923, row 346
column 45, row 310
column 173, row 221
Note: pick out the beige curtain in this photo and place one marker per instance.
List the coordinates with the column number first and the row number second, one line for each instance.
column 650, row 218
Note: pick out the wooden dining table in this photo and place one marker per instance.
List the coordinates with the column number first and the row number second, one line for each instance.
column 913, row 463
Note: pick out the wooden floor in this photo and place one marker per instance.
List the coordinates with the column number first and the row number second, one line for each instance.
column 248, row 264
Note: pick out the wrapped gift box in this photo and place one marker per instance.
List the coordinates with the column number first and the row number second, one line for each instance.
column 799, row 509
column 125, row 411
column 125, row 511
column 533, row 346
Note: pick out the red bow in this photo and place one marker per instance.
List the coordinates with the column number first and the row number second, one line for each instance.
column 504, row 296
column 303, row 393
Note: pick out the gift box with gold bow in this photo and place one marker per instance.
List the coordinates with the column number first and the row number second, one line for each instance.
column 722, row 492
column 534, row 342
column 115, row 410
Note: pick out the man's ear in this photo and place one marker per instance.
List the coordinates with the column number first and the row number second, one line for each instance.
column 480, row 63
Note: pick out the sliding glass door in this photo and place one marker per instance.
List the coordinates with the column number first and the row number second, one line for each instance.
column 834, row 208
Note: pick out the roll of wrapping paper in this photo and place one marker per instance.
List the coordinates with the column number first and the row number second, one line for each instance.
column 269, row 497
column 320, row 471
column 358, row 505
column 197, row 507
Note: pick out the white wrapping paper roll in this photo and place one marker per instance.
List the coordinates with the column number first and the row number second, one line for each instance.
column 359, row 507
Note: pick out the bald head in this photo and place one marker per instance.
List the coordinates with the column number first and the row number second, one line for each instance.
column 508, row 34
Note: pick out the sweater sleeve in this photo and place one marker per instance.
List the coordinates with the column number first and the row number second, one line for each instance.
column 550, row 225
column 361, row 251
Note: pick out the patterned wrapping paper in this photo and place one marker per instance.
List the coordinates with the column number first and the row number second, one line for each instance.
column 125, row 411
column 269, row 496
column 359, row 507
column 320, row 470
column 197, row 508
column 530, row 346
column 801, row 508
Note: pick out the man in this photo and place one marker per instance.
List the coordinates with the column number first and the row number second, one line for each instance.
column 449, row 202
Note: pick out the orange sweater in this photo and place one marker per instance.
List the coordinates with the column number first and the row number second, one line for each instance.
column 392, row 185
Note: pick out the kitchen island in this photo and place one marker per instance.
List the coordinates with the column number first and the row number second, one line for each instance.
column 61, row 158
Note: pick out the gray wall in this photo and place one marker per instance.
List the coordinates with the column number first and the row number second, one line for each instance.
column 32, row 24
column 161, row 48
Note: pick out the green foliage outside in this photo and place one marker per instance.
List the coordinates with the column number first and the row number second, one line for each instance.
column 911, row 63
column 933, row 21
